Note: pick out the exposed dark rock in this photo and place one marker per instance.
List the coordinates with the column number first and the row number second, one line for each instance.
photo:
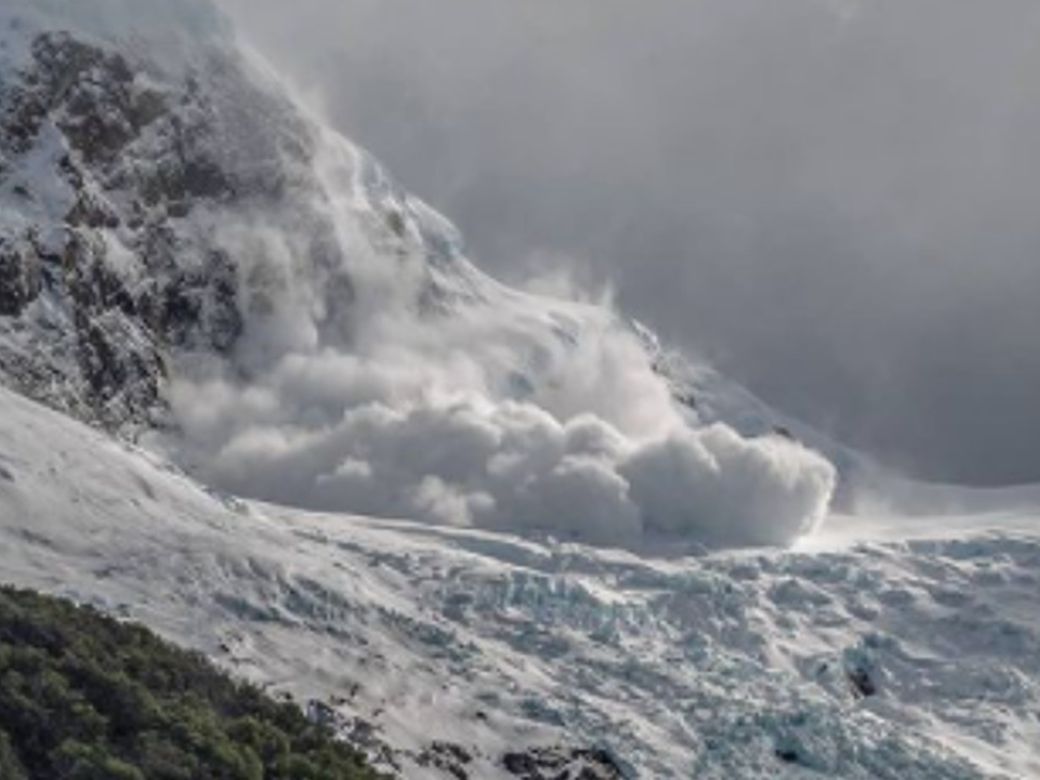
column 177, row 181
column 447, row 757
column 562, row 764
column 861, row 681
column 121, row 316
column 396, row 223
column 520, row 764
column 92, row 284
column 91, row 212
column 205, row 298
column 19, row 279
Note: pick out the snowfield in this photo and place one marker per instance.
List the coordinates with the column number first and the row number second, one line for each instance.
column 868, row 656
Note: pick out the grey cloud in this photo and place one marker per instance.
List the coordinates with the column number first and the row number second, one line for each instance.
column 835, row 201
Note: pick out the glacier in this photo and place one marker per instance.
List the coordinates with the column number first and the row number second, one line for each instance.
column 879, row 651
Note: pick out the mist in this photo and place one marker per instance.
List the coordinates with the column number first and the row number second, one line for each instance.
column 833, row 201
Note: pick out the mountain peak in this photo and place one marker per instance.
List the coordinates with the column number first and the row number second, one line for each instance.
column 168, row 30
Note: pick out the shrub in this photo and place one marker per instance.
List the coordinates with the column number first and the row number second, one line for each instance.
column 85, row 697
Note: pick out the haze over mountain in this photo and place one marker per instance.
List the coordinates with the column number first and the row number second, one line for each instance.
column 834, row 200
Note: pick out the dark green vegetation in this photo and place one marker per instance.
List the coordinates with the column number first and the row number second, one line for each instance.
column 84, row 697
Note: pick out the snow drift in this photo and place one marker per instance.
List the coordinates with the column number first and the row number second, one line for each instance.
column 343, row 353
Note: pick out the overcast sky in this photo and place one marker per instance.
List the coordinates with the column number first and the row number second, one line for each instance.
column 838, row 202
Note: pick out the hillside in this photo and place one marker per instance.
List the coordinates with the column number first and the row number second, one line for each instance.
column 83, row 696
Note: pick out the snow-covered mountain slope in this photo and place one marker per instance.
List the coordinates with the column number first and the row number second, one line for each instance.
column 183, row 247
column 188, row 256
column 873, row 658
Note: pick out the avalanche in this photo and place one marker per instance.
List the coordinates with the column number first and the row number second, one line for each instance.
column 593, row 562
column 191, row 246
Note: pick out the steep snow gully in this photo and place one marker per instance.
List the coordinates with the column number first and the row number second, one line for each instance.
column 614, row 558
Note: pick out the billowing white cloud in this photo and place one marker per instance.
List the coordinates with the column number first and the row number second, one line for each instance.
column 721, row 489
column 506, row 412
column 512, row 465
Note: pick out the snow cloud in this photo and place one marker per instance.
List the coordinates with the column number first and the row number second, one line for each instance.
column 381, row 373
column 497, row 463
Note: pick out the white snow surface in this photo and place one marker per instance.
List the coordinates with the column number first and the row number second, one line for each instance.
column 732, row 664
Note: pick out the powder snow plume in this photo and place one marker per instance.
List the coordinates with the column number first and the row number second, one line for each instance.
column 400, row 380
